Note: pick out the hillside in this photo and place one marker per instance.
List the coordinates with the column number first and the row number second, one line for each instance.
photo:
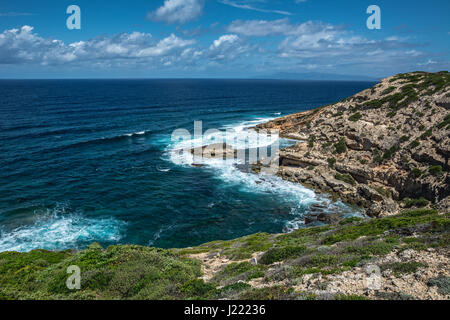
column 384, row 148
column 329, row 262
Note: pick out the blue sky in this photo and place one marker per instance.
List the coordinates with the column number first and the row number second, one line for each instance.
column 221, row 38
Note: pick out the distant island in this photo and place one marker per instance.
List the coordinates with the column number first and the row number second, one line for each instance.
column 384, row 149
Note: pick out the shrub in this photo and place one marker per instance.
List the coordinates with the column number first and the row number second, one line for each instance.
column 443, row 284
column 350, row 220
column 391, row 114
column 390, row 152
column 281, row 253
column 331, row 162
column 377, row 158
column 435, row 170
column 197, row 288
column 346, row 178
column 388, row 90
column 445, row 122
column 355, row 117
column 235, row 287
column 403, row 267
column 311, row 141
column 340, row 147
column 420, row 202
column 414, row 144
column 403, row 139
column 426, row 134
column 415, row 173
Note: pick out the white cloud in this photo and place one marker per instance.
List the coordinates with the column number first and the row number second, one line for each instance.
column 228, row 38
column 177, row 11
column 245, row 5
column 427, row 63
column 277, row 27
column 227, row 47
column 21, row 46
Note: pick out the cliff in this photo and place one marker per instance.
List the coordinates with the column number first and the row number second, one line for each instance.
column 384, row 148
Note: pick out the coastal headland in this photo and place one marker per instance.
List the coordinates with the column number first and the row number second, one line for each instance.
column 384, row 149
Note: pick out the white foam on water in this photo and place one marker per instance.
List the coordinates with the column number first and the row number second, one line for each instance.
column 160, row 169
column 59, row 229
column 298, row 196
column 237, row 136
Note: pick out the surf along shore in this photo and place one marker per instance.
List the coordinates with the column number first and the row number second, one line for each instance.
column 385, row 149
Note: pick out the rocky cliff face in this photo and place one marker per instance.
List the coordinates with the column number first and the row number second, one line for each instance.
column 384, row 148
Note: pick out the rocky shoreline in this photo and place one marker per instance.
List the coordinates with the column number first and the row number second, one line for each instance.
column 383, row 149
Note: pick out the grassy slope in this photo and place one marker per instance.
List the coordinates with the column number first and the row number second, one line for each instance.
column 135, row 272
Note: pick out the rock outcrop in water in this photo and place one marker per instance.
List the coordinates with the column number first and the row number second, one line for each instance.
column 384, row 148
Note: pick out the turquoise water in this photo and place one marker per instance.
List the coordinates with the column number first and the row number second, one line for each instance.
column 91, row 161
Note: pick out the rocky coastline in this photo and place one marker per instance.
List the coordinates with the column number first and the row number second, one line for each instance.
column 385, row 149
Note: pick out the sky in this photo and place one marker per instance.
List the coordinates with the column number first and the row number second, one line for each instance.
column 221, row 38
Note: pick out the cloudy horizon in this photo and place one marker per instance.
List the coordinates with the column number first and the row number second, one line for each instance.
column 219, row 39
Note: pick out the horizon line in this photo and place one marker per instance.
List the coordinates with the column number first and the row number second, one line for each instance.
column 199, row 78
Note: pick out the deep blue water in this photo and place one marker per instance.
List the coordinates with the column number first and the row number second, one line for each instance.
column 89, row 160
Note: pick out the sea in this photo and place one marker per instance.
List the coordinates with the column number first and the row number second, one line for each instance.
column 85, row 161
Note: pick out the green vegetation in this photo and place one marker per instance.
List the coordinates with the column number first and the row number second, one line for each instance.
column 426, row 134
column 443, row 284
column 399, row 268
column 239, row 271
column 311, row 141
column 331, row 162
column 388, row 90
column 404, row 139
column 373, row 104
column 435, row 170
column 384, row 192
column 119, row 272
column 377, row 157
column 415, row 173
column 135, row 272
column 414, row 144
column 378, row 226
column 281, row 253
column 346, row 178
column 444, row 123
column 340, row 147
column 390, row 152
column 355, row 117
column 420, row 202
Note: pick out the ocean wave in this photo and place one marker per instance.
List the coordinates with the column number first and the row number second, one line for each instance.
column 59, row 229
column 161, row 169
column 234, row 135
column 298, row 197
column 96, row 141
